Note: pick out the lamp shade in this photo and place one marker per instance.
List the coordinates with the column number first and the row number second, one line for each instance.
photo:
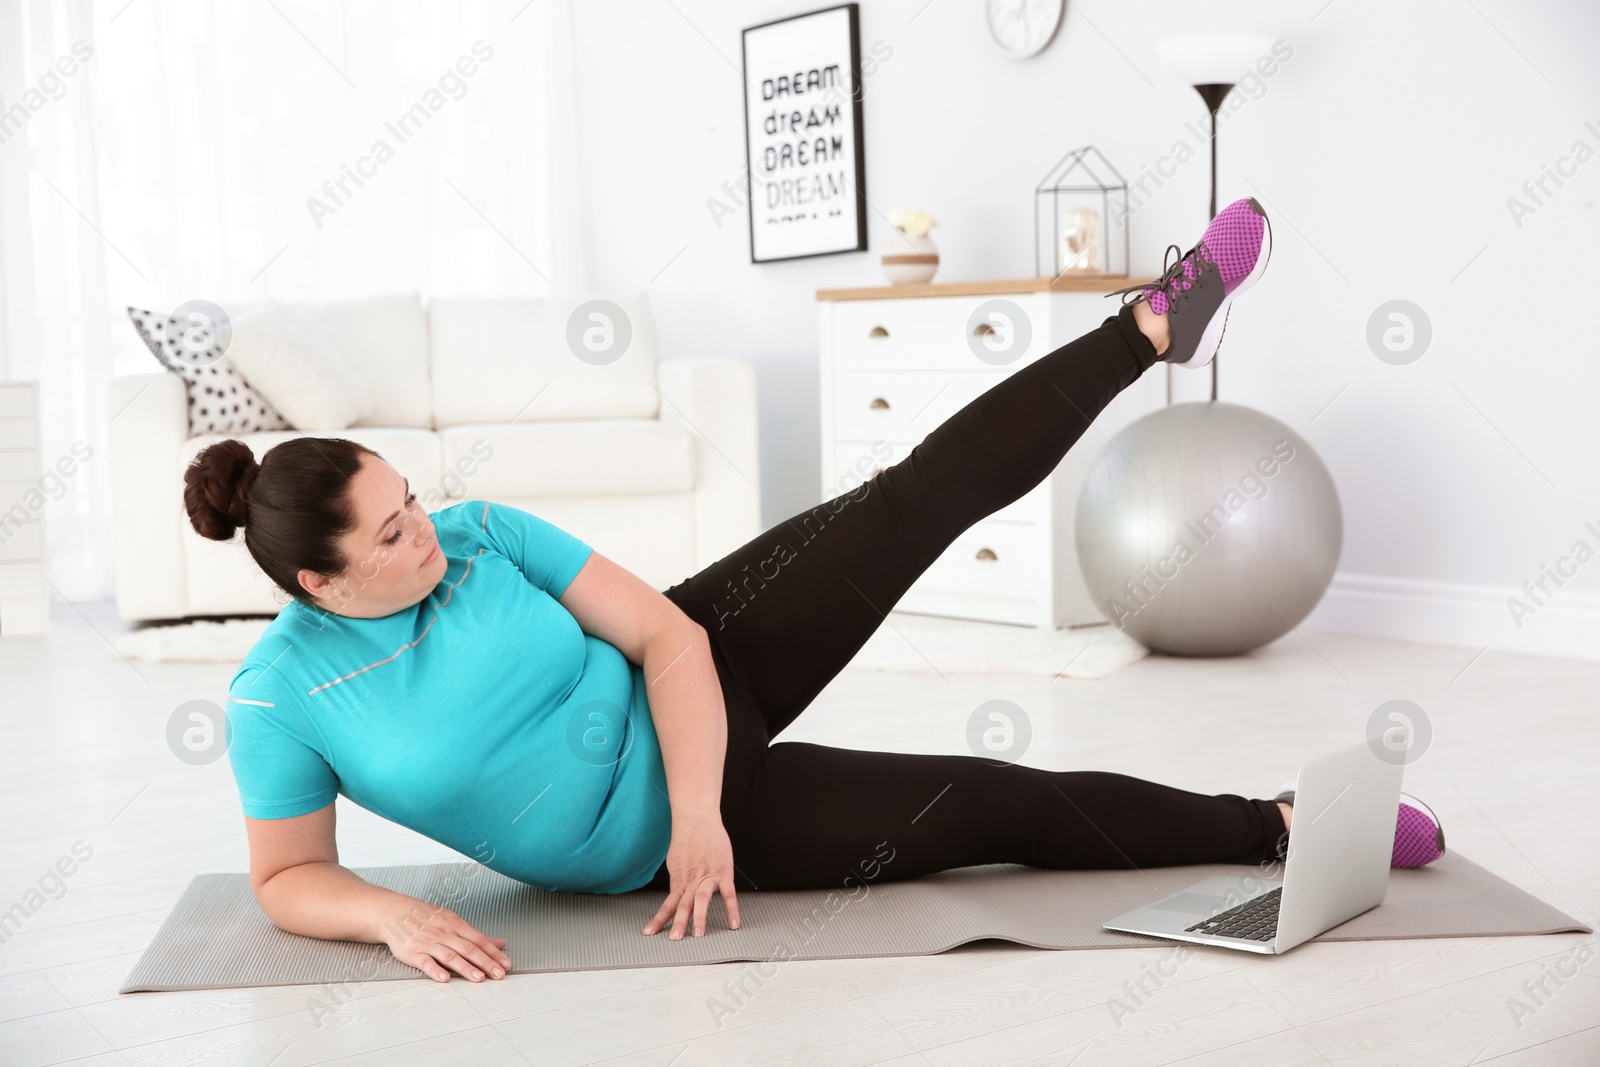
column 1212, row 58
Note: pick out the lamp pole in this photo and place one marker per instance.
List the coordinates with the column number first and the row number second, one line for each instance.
column 1213, row 93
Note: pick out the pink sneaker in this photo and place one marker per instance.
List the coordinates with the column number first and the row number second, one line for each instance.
column 1418, row 835
column 1196, row 291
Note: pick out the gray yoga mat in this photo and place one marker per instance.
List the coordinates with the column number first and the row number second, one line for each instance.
column 217, row 937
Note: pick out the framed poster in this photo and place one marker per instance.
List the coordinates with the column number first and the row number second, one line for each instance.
column 806, row 176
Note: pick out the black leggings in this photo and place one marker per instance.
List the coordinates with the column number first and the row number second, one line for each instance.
column 788, row 610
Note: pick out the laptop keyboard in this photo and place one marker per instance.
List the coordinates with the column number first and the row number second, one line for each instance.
column 1254, row 920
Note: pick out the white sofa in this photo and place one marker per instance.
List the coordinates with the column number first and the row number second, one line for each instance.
column 652, row 461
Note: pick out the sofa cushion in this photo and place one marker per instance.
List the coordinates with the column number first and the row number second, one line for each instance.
column 384, row 340
column 503, row 361
column 583, row 457
column 298, row 370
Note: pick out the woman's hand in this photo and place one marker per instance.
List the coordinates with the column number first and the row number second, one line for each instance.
column 700, row 861
column 428, row 935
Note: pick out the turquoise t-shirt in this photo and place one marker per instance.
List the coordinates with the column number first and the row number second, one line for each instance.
column 482, row 717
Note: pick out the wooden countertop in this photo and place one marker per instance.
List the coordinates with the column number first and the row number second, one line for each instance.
column 1066, row 283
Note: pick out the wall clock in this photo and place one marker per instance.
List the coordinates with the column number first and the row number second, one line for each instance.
column 1022, row 28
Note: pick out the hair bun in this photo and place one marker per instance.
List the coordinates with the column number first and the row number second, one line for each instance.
column 216, row 488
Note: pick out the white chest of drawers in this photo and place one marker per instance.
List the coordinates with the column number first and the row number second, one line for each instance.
column 24, row 603
column 896, row 362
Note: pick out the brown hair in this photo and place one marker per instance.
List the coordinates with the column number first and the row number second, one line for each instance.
column 294, row 505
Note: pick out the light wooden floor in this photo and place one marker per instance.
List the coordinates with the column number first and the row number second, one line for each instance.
column 1511, row 771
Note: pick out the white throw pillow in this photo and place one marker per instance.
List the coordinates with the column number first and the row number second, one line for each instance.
column 293, row 365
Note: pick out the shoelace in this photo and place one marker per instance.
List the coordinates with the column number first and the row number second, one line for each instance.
column 1173, row 283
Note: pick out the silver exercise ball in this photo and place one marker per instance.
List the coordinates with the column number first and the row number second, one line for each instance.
column 1207, row 529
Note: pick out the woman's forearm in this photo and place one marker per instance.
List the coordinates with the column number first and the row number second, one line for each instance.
column 690, row 719
column 326, row 900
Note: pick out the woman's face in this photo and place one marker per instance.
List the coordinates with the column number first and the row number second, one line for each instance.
column 393, row 559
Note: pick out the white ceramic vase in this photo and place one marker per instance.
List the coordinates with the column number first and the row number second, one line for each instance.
column 914, row 259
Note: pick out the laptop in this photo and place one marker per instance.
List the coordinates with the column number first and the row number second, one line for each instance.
column 1345, row 808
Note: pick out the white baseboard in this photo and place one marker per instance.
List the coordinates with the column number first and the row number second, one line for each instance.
column 1448, row 613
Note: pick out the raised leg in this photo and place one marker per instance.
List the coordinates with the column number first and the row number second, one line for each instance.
column 793, row 605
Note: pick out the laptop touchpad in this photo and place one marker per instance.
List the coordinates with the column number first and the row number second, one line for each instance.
column 1195, row 903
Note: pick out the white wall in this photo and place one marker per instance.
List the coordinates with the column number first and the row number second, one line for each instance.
column 1385, row 150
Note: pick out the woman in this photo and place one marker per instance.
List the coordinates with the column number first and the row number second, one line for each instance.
column 485, row 678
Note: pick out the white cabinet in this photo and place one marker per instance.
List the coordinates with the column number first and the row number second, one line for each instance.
column 24, row 603
column 896, row 362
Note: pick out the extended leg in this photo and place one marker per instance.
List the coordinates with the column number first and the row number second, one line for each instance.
column 792, row 606
column 813, row 816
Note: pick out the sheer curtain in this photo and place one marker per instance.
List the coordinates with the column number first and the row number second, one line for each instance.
column 158, row 151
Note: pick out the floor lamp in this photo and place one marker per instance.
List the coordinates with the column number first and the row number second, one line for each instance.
column 1211, row 63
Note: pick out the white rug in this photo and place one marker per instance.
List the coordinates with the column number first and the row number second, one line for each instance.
column 924, row 644
column 200, row 641
column 929, row 644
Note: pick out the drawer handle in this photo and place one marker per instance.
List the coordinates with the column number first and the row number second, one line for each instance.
column 983, row 329
column 879, row 404
column 878, row 331
column 987, row 553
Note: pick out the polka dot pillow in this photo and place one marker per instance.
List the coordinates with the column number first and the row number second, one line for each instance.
column 220, row 400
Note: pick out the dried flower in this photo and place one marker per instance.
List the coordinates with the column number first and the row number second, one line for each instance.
column 915, row 223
